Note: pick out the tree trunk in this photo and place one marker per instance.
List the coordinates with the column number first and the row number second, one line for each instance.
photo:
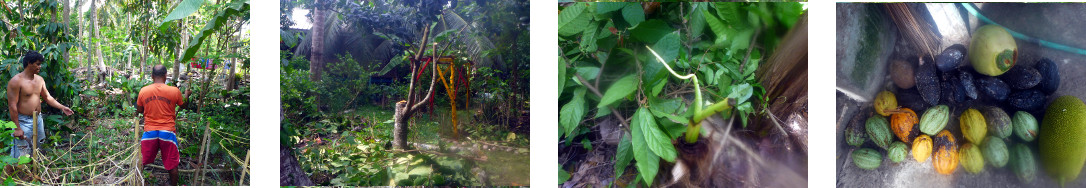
column 97, row 45
column 316, row 50
column 290, row 172
column 399, row 130
column 177, row 62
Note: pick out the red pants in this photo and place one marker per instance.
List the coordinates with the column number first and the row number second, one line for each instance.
column 154, row 142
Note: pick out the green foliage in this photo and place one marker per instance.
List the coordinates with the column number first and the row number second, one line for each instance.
column 52, row 38
column 343, row 82
column 183, row 9
column 236, row 8
column 603, row 47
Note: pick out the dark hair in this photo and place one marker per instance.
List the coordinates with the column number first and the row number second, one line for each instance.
column 31, row 57
column 158, row 70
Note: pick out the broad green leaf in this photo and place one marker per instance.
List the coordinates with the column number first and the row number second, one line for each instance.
column 659, row 86
column 697, row 19
column 571, row 114
column 572, row 19
column 588, row 39
column 657, row 141
column 716, row 25
column 633, row 13
column 236, row 8
column 651, row 31
column 647, row 162
column 600, row 112
column 183, row 9
column 24, row 159
column 623, row 156
column 588, row 72
column 741, row 92
column 605, row 7
column 562, row 75
column 619, row 90
column 668, row 47
column 741, row 40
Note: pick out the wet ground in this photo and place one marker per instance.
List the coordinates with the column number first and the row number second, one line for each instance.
column 1061, row 23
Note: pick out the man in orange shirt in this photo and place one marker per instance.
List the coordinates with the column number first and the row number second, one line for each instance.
column 158, row 102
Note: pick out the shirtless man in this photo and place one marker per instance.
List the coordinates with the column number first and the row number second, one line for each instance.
column 25, row 93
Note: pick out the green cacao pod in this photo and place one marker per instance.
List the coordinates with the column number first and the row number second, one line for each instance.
column 992, row 50
column 973, row 125
column 878, row 129
column 1025, row 126
column 999, row 123
column 866, row 158
column 1023, row 164
column 971, row 158
column 854, row 133
column 995, row 152
column 934, row 119
column 897, row 151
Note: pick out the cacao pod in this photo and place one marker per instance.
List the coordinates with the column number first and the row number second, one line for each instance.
column 866, row 158
column 885, row 103
column 998, row 121
column 973, row 125
column 945, row 158
column 1025, row 126
column 971, row 158
column 935, row 119
column 902, row 124
column 922, row 148
column 879, row 131
column 995, row 152
column 897, row 152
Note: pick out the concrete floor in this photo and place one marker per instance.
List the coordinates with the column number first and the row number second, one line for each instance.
column 1061, row 23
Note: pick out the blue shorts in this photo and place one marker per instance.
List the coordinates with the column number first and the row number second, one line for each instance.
column 21, row 147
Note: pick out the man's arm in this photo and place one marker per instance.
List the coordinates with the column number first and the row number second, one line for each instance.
column 53, row 102
column 13, row 106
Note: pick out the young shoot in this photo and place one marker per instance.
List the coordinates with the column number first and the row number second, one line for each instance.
column 700, row 113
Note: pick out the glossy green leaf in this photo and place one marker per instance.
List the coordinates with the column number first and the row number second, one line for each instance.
column 623, row 156
column 606, row 7
column 633, row 13
column 741, row 40
column 589, row 73
column 588, row 39
column 24, row 159
column 647, row 161
column 183, row 9
column 657, row 141
column 716, row 25
column 572, row 113
column 668, row 47
column 619, row 90
column 651, row 31
column 697, row 19
column 741, row 92
column 572, row 19
column 562, row 66
column 236, row 8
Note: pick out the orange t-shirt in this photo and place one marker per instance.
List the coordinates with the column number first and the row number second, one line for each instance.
column 158, row 102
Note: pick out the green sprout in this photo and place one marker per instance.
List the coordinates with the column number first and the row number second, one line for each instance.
column 700, row 113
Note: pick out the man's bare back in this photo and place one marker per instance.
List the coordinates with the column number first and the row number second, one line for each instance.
column 29, row 92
